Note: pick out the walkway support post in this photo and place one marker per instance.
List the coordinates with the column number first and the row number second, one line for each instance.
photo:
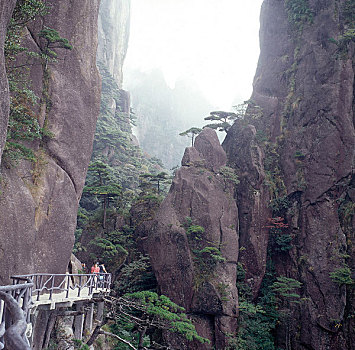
column 100, row 311
column 89, row 317
column 79, row 321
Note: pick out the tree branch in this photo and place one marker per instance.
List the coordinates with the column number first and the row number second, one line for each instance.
column 118, row 338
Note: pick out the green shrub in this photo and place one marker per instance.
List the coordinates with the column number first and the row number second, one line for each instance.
column 342, row 276
column 299, row 13
column 285, row 287
column 160, row 307
column 195, row 231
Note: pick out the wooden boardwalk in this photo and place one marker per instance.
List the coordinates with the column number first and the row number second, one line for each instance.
column 63, row 297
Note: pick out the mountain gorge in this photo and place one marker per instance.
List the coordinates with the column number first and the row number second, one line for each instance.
column 254, row 238
column 293, row 153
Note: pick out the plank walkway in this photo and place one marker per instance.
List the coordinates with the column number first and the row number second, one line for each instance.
column 71, row 297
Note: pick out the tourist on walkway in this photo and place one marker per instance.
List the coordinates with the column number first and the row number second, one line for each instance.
column 101, row 276
column 96, row 271
column 95, row 268
column 84, row 269
column 102, row 268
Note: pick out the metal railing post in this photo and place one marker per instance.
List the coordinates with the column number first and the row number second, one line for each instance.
column 51, row 290
column 79, row 289
column 91, row 284
column 68, row 286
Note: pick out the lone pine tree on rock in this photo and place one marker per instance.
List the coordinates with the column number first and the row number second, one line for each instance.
column 192, row 133
column 222, row 120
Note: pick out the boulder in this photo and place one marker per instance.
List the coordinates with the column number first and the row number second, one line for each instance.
column 207, row 144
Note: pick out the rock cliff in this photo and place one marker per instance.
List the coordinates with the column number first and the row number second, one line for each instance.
column 39, row 199
column 113, row 36
column 6, row 9
column 193, row 242
column 294, row 154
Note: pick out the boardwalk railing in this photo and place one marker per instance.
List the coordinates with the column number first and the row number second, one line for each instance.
column 46, row 285
column 15, row 302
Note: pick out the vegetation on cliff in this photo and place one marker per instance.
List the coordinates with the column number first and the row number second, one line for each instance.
column 308, row 241
column 24, row 118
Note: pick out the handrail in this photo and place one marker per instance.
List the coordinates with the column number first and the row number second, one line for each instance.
column 14, row 310
column 46, row 284
column 15, row 287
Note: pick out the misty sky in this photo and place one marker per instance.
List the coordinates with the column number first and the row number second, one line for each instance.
column 215, row 43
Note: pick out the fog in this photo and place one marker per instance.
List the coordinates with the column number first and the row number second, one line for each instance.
column 213, row 43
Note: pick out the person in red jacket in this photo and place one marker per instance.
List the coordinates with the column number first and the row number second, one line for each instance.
column 95, row 268
column 96, row 271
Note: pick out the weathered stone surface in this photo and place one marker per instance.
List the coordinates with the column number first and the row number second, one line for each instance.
column 199, row 193
column 39, row 201
column 74, row 265
column 253, row 199
column 39, row 321
column 207, row 144
column 6, row 8
column 35, row 220
column 191, row 157
column 74, row 88
column 65, row 333
column 305, row 88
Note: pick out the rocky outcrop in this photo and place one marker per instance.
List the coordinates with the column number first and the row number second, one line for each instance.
column 39, row 200
column 6, row 9
column 114, row 21
column 193, row 242
column 295, row 161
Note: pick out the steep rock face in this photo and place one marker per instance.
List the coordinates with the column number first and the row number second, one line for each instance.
column 39, row 200
column 6, row 9
column 113, row 34
column 253, row 198
column 304, row 147
column 196, row 267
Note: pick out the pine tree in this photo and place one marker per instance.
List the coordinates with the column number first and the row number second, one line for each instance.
column 102, row 185
column 192, row 132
